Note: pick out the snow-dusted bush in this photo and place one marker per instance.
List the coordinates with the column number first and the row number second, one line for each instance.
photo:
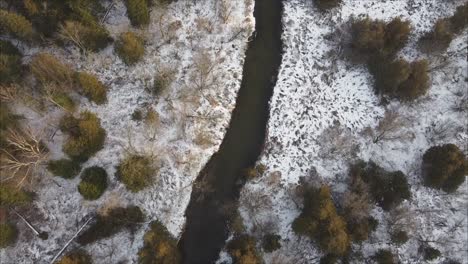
column 243, row 250
column 49, row 70
column 15, row 25
column 159, row 246
column 320, row 221
column 136, row 172
column 387, row 188
column 76, row 257
column 138, row 12
column 329, row 259
column 130, row 47
column 162, row 81
column 327, row 4
column 10, row 63
column 115, row 220
column 93, row 183
column 385, row 256
column 92, row 88
column 399, row 78
column 86, row 136
column 459, row 19
column 429, row 253
column 64, row 168
column 373, row 38
column 444, row 167
column 271, row 242
column 8, row 234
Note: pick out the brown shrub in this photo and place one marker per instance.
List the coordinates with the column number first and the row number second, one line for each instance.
column 48, row 69
column 15, row 25
column 92, row 88
column 130, row 48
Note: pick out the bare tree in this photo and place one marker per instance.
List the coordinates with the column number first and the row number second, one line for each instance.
column 402, row 218
column 391, row 127
column 440, row 131
column 356, row 202
column 225, row 9
column 73, row 32
column 204, row 75
column 335, row 142
column 22, row 156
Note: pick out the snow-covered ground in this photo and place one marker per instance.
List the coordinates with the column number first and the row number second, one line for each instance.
column 321, row 101
column 193, row 121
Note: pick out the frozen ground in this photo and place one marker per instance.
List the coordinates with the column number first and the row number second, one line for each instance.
column 193, row 120
column 322, row 106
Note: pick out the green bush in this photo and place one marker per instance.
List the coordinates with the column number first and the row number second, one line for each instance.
column 271, row 242
column 115, row 221
column 130, row 48
column 8, row 234
column 48, row 69
column 10, row 63
column 90, row 36
column 64, row 101
column 388, row 189
column 64, row 168
column 399, row 237
column 12, row 196
column 93, row 183
column 243, row 250
column 76, row 257
column 136, row 172
column 15, row 25
column 138, row 12
column 92, row 88
column 159, row 246
column 320, row 222
column 444, row 167
column 327, row 4
column 430, row 253
column 86, row 136
column 384, row 256
column 375, row 38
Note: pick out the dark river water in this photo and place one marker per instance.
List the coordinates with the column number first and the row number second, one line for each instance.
column 206, row 228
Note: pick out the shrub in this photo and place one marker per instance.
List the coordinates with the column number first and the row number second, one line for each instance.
column 444, row 167
column 12, row 196
column 359, row 230
column 159, row 246
column 93, row 183
column 92, row 88
column 64, row 168
column 76, row 257
column 130, row 48
column 384, row 256
column 86, row 136
column 8, row 234
column 320, row 221
column 459, row 19
column 243, row 250
column 327, row 4
column 116, row 220
column 430, row 253
column 136, row 172
column 439, row 38
column 376, row 38
column 400, row 79
column 388, row 189
column 138, row 12
column 399, row 237
column 15, row 25
column 162, row 81
column 48, row 69
column 271, row 242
